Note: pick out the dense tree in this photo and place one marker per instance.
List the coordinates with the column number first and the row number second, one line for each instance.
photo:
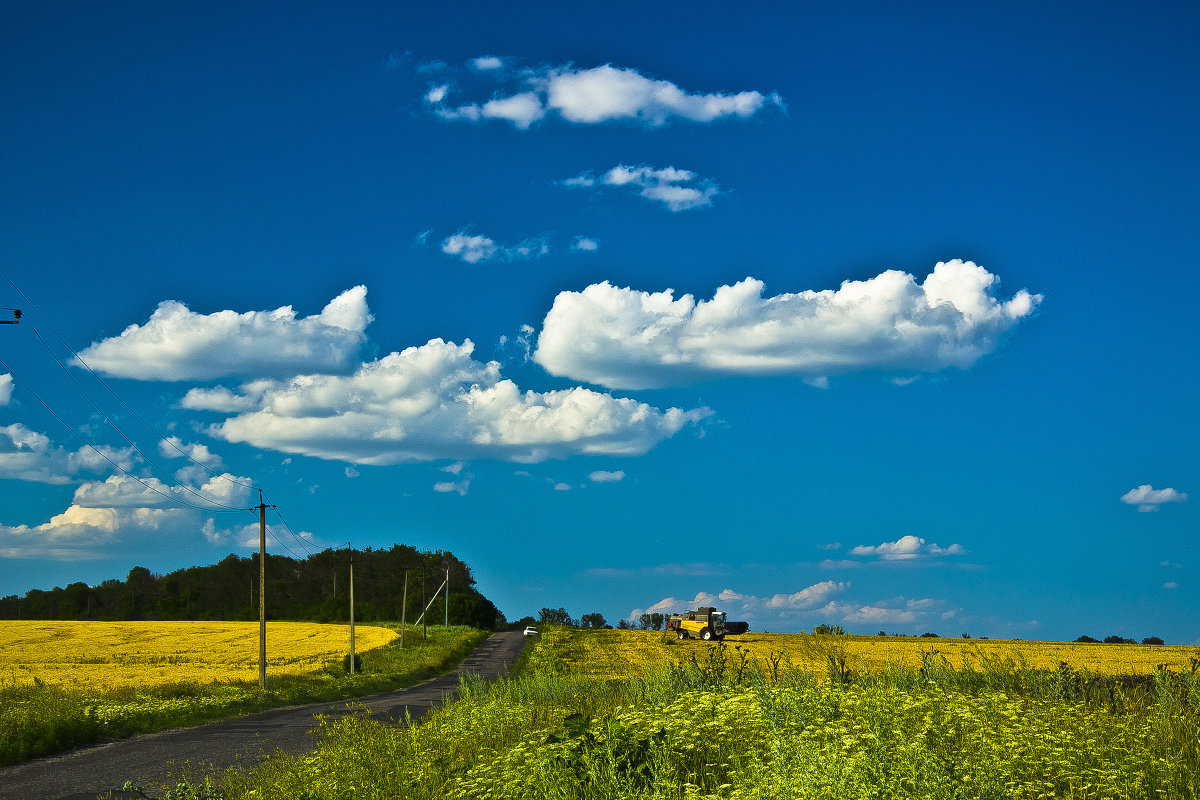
column 555, row 615
column 656, row 621
column 1152, row 640
column 316, row 588
column 827, row 630
column 1085, row 639
column 593, row 620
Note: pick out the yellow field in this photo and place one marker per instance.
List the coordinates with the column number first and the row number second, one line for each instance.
column 102, row 655
column 618, row 654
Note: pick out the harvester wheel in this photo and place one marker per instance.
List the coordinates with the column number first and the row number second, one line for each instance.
column 683, row 635
column 706, row 634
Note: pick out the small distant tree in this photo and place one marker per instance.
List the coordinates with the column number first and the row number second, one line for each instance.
column 1114, row 639
column 1085, row 639
column 1152, row 640
column 524, row 622
column 882, row 633
column 966, row 636
column 826, row 630
column 593, row 620
column 929, row 635
column 644, row 622
column 623, row 625
column 555, row 615
column 656, row 621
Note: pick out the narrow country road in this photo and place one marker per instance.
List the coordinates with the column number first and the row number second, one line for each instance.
column 156, row 758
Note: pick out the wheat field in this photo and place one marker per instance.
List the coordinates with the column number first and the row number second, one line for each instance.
column 109, row 655
column 617, row 654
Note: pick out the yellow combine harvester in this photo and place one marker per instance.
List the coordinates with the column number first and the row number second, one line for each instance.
column 704, row 623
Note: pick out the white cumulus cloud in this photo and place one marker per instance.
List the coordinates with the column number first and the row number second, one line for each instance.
column 1147, row 498
column 605, row 476
column 177, row 344
column 6, row 387
column 906, row 548
column 677, row 189
column 592, row 96
column 27, row 455
column 623, row 338
column 438, row 402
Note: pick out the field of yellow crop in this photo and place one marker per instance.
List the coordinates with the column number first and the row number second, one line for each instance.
column 621, row 654
column 107, row 655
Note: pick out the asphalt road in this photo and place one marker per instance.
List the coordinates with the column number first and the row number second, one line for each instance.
column 159, row 758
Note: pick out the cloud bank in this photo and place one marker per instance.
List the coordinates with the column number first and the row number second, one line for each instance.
column 177, row 344
column 434, row 402
column 623, row 338
column 592, row 96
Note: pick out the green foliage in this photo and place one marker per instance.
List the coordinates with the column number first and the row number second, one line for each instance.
column 313, row 589
column 724, row 726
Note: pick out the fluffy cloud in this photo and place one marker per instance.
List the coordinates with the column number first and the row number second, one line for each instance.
column 27, row 455
column 629, row 339
column 178, row 344
column 474, row 248
column 1147, row 498
column 593, row 96
column 437, row 402
column 604, row 476
column 122, row 511
column 677, row 189
column 751, row 608
column 906, row 548
column 816, row 603
column 224, row 491
column 584, row 244
column 6, row 387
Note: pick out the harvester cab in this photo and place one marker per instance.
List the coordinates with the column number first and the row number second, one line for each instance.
column 704, row 623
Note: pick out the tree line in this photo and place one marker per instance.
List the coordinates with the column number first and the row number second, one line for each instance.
column 314, row 589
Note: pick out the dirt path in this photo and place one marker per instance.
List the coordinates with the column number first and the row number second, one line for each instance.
column 156, row 758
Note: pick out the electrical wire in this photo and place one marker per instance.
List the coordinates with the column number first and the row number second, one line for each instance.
column 115, row 465
column 79, row 359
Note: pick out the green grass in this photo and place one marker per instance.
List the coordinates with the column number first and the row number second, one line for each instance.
column 41, row 719
column 720, row 728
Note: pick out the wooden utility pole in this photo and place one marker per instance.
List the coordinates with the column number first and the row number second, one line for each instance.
column 262, row 590
column 404, row 610
column 424, row 622
column 351, row 549
column 447, row 595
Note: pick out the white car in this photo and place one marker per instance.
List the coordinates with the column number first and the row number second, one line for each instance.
column 530, row 631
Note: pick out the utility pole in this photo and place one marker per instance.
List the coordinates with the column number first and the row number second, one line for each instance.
column 262, row 590
column 404, row 610
column 351, row 549
column 447, row 595
column 424, row 622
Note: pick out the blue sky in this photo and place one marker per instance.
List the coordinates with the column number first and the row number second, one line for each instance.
column 875, row 315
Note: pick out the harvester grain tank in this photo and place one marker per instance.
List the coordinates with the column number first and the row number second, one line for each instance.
column 704, row 623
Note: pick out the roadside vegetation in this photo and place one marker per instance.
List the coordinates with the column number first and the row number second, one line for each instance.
column 582, row 717
column 64, row 693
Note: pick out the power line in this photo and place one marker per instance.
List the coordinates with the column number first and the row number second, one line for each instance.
column 115, row 465
column 79, row 359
